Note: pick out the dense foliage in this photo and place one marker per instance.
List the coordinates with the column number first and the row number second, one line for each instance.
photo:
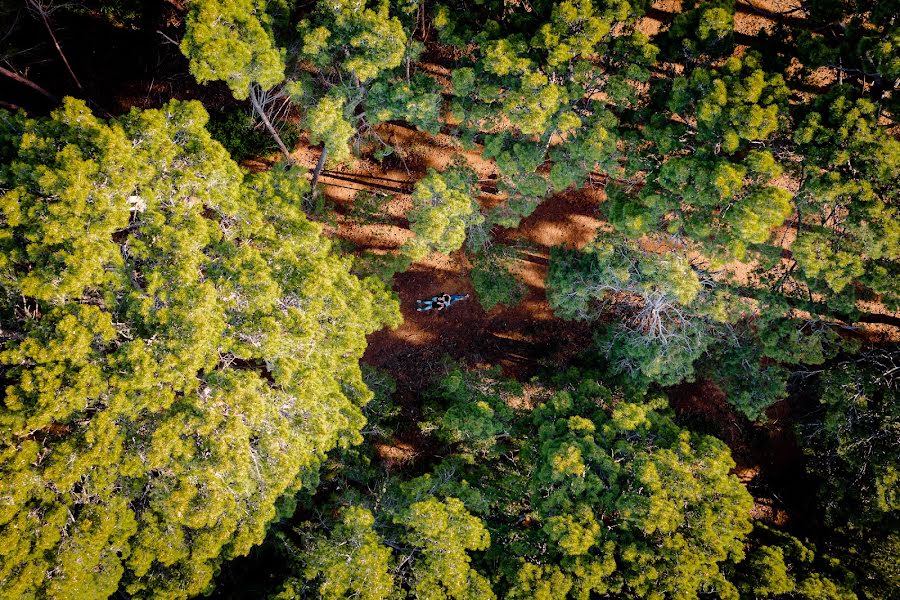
column 179, row 353
column 180, row 344
column 589, row 494
column 854, row 447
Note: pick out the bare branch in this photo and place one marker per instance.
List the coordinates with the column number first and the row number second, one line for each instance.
column 257, row 95
column 43, row 11
column 24, row 81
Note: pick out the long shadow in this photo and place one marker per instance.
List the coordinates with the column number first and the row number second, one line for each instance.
column 372, row 183
column 666, row 17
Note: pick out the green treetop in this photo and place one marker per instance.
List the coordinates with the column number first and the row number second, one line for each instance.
column 350, row 36
column 349, row 68
column 670, row 311
column 594, row 494
column 667, row 313
column 727, row 207
column 859, row 41
column 678, row 511
column 778, row 565
column 733, row 105
column 180, row 351
column 852, row 441
column 543, row 85
column 443, row 209
column 352, row 560
column 418, row 547
column 850, row 231
column 231, row 41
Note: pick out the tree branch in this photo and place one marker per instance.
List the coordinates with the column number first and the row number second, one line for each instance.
column 318, row 171
column 43, row 11
column 257, row 106
column 24, row 81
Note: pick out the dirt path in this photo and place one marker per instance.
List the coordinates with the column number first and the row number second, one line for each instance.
column 520, row 339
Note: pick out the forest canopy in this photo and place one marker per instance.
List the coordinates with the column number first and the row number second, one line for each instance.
column 181, row 352
column 667, row 368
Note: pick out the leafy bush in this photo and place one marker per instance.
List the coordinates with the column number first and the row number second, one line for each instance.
column 493, row 281
column 235, row 129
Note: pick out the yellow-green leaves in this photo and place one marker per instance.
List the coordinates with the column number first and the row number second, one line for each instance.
column 531, row 107
column 815, row 254
column 327, row 125
column 444, row 207
column 574, row 30
column 650, row 508
column 230, row 41
column 755, row 216
column 733, row 105
column 183, row 353
column 363, row 41
column 436, row 537
column 726, row 206
column 352, row 560
column 444, row 532
column 575, row 533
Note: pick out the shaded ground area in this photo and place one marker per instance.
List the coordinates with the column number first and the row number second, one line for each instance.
column 521, row 339
column 119, row 65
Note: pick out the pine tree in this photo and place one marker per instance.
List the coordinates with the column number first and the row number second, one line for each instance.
column 181, row 352
column 232, row 41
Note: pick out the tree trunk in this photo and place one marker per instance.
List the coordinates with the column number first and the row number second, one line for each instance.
column 265, row 119
column 318, row 170
column 28, row 82
column 820, row 308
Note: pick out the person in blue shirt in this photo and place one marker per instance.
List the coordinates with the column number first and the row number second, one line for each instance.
column 439, row 302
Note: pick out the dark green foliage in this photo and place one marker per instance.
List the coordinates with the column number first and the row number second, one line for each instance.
column 701, row 32
column 492, row 279
column 381, row 266
column 410, row 539
column 855, row 459
column 751, row 383
column 243, row 137
column 532, row 90
column 593, row 468
column 778, row 565
column 470, row 411
column 852, row 187
column 670, row 312
column 667, row 309
column 119, row 12
column 859, row 39
column 853, row 442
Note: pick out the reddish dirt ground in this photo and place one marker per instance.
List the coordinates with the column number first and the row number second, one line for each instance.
column 520, row 339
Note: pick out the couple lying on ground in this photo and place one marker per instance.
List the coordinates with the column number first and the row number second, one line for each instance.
column 439, row 302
